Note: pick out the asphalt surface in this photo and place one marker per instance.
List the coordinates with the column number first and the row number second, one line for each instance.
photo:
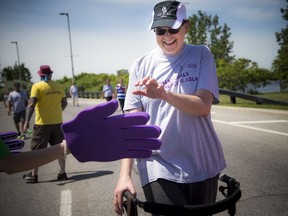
column 255, row 143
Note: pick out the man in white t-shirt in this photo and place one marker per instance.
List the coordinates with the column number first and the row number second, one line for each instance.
column 176, row 84
column 74, row 94
column 108, row 91
column 17, row 102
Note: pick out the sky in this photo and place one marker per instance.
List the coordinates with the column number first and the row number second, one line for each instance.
column 108, row 35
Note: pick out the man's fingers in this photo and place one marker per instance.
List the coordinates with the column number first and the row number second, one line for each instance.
column 101, row 111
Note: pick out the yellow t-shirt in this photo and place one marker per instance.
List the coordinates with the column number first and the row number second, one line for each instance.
column 48, row 109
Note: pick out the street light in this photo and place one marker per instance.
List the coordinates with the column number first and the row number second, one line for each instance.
column 19, row 70
column 71, row 55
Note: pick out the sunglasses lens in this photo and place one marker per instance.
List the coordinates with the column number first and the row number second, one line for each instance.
column 173, row 31
column 160, row 31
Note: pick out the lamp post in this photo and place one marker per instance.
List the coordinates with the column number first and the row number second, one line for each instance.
column 19, row 70
column 71, row 55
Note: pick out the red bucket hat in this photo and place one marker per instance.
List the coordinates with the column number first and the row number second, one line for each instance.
column 45, row 70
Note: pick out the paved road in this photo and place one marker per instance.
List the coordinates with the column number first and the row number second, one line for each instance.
column 255, row 144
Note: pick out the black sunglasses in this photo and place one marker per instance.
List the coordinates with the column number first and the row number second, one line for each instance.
column 160, row 31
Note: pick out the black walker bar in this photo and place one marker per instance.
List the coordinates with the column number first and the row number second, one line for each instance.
column 229, row 203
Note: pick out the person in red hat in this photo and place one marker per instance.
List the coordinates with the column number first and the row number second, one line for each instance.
column 48, row 100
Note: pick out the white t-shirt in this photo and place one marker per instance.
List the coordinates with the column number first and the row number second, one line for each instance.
column 19, row 101
column 74, row 90
column 191, row 150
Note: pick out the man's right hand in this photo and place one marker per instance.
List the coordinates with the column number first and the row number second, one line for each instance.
column 26, row 126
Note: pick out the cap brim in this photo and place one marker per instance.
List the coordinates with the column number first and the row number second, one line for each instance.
column 162, row 23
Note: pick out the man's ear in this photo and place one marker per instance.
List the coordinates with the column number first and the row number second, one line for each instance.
column 186, row 26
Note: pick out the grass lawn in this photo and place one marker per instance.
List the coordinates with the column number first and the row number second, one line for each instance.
column 280, row 96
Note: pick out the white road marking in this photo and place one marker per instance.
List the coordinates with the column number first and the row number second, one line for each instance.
column 66, row 203
column 237, row 124
column 260, row 122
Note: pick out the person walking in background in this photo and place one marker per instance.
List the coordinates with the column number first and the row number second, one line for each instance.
column 108, row 91
column 74, row 94
column 17, row 102
column 5, row 98
column 176, row 84
column 120, row 93
column 48, row 100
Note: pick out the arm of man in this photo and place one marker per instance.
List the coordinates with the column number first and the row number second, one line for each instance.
column 64, row 103
column 30, row 110
column 9, row 107
column 26, row 99
column 198, row 104
column 15, row 163
column 124, row 182
column 9, row 104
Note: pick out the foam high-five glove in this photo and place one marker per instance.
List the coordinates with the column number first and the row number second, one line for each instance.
column 94, row 135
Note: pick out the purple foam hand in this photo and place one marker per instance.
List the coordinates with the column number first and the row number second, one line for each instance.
column 94, row 135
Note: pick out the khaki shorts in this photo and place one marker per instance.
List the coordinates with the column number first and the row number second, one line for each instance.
column 44, row 134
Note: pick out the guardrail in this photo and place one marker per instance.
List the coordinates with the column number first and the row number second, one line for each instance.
column 259, row 100
column 233, row 95
column 90, row 95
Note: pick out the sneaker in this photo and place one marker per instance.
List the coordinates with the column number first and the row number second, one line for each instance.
column 19, row 136
column 29, row 131
column 62, row 176
column 29, row 178
column 22, row 137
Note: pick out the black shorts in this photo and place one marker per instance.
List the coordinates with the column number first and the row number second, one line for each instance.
column 44, row 134
column 19, row 117
column 108, row 98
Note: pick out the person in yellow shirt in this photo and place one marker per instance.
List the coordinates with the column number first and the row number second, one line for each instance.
column 48, row 100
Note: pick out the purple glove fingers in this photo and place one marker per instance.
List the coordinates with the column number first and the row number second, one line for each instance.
column 141, row 131
column 100, row 111
column 143, row 144
column 127, row 120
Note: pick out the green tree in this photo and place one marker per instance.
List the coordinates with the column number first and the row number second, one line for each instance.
column 206, row 30
column 122, row 72
column 242, row 75
column 12, row 73
column 280, row 63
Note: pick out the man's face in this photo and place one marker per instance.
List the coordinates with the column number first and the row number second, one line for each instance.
column 172, row 44
column 17, row 87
